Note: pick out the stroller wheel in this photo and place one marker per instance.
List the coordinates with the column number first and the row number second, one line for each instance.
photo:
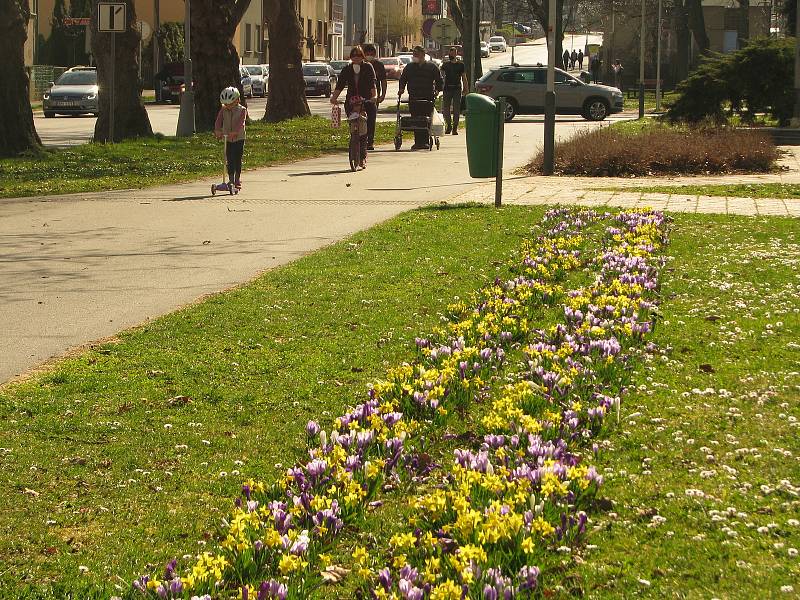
column 437, row 143
column 398, row 141
column 213, row 189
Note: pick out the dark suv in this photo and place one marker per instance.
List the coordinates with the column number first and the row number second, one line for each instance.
column 524, row 89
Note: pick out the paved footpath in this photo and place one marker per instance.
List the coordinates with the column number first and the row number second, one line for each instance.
column 78, row 268
column 82, row 267
column 592, row 191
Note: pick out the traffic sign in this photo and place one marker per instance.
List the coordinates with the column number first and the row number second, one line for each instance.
column 444, row 31
column 111, row 16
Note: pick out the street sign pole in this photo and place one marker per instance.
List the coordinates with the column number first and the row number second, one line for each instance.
column 658, row 62
column 641, row 66
column 498, row 180
column 795, row 122
column 550, row 95
column 473, row 39
column 111, row 112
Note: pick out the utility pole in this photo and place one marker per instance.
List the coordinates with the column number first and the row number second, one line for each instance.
column 473, row 40
column 550, row 95
column 658, row 62
column 641, row 66
column 186, row 114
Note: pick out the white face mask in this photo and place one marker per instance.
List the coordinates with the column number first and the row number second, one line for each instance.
column 356, row 68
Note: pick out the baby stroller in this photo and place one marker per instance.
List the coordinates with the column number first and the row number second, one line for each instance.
column 409, row 123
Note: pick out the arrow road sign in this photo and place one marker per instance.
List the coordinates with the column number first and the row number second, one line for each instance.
column 111, row 16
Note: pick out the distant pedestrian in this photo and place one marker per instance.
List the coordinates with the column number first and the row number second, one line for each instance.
column 573, row 58
column 566, row 59
column 594, row 67
column 455, row 86
column 580, row 59
column 230, row 124
column 370, row 53
column 618, row 69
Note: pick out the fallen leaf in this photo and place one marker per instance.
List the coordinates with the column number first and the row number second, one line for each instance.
column 334, row 573
column 30, row 492
column 707, row 368
column 713, row 318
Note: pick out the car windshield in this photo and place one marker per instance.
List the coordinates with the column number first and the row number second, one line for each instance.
column 390, row 61
column 497, row 39
column 78, row 78
column 255, row 70
column 314, row 71
column 339, row 64
column 405, row 59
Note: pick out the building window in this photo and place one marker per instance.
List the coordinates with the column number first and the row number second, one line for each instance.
column 248, row 38
column 310, row 31
column 319, row 32
column 259, row 38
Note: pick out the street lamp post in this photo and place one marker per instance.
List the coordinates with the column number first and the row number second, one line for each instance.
column 641, row 67
column 186, row 114
column 796, row 118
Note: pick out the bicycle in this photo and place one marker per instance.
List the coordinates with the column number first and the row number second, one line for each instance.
column 358, row 129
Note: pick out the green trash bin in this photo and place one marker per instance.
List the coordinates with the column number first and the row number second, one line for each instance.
column 483, row 123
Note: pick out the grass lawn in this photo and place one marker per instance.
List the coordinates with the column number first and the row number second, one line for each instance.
column 735, row 190
column 159, row 160
column 129, row 454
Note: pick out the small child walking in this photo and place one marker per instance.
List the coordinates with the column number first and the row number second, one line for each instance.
column 231, row 123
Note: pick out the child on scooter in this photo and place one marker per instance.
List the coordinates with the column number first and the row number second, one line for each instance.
column 230, row 124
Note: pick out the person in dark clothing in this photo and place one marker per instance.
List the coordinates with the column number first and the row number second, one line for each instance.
column 580, row 59
column 566, row 59
column 359, row 78
column 573, row 59
column 424, row 81
column 455, row 86
column 380, row 80
column 594, row 67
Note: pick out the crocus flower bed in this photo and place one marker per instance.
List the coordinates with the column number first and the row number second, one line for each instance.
column 518, row 495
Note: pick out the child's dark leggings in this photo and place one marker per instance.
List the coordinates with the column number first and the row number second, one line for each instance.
column 234, row 154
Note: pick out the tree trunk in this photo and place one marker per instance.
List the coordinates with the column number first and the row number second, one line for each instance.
column 287, row 97
column 17, row 133
column 460, row 11
column 683, row 39
column 215, row 62
column 744, row 23
column 130, row 117
column 541, row 10
column 697, row 24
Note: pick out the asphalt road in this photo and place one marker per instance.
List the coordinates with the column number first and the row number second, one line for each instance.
column 69, row 130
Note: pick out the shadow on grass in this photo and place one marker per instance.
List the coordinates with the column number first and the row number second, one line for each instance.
column 455, row 206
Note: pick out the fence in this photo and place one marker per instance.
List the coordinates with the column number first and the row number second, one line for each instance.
column 40, row 76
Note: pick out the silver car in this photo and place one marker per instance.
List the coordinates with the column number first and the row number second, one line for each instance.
column 258, row 78
column 74, row 93
column 524, row 89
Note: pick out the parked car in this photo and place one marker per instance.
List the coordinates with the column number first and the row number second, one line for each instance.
column 484, row 50
column 258, row 79
column 338, row 65
column 497, row 43
column 247, row 81
column 320, row 79
column 169, row 83
column 404, row 58
column 74, row 93
column 394, row 66
column 524, row 89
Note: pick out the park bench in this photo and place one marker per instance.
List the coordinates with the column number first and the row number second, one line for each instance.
column 649, row 86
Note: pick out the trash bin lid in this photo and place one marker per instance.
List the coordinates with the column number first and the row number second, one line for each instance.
column 480, row 104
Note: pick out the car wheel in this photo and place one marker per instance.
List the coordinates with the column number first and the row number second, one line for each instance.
column 595, row 109
column 49, row 115
column 511, row 109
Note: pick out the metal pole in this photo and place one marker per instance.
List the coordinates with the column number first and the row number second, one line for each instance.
column 111, row 88
column 186, row 115
column 641, row 67
column 498, row 181
column 658, row 61
column 550, row 95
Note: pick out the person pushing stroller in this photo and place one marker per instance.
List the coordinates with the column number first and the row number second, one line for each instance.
column 230, row 125
column 424, row 81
